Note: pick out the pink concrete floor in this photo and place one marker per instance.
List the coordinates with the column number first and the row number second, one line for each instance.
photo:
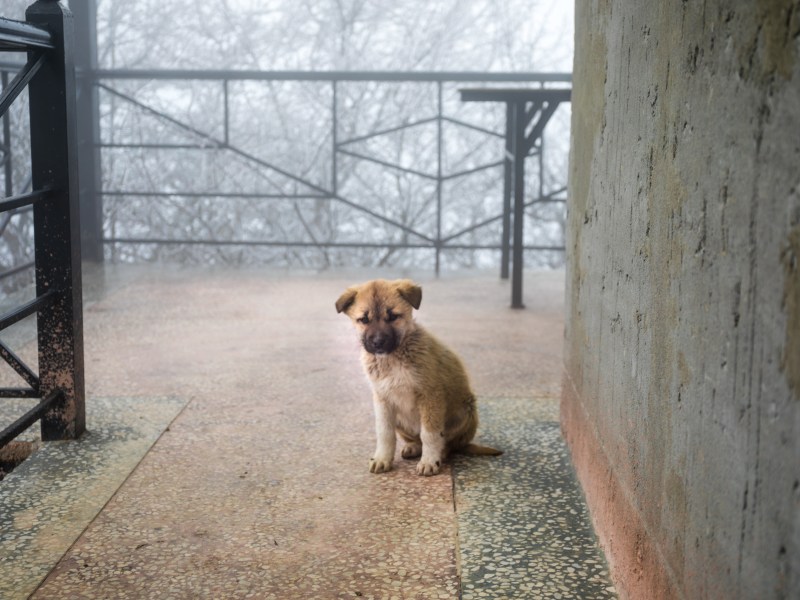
column 260, row 487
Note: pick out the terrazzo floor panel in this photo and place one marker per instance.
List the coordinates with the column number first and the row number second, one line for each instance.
column 50, row 499
column 523, row 529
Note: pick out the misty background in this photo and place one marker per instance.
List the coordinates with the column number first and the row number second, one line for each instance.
column 263, row 183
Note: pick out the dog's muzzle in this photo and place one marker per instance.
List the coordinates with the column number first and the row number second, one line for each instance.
column 380, row 342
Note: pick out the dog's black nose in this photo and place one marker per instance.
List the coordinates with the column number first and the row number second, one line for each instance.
column 380, row 342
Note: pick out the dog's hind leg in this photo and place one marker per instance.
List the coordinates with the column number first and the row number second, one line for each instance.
column 412, row 444
column 411, row 450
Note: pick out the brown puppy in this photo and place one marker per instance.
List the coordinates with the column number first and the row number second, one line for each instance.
column 420, row 388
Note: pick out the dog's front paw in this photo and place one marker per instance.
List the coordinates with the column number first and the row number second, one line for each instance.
column 380, row 465
column 427, row 467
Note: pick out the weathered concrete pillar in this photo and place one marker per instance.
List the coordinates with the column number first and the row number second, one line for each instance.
column 681, row 400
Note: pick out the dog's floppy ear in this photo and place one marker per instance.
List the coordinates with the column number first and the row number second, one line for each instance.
column 346, row 300
column 410, row 292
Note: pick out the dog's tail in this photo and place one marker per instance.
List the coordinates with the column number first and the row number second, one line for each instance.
column 476, row 450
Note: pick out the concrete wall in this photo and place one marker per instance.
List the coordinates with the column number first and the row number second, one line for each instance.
column 681, row 401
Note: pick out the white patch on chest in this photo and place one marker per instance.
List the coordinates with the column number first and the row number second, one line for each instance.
column 397, row 390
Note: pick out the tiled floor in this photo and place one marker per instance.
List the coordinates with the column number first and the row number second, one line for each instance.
column 260, row 487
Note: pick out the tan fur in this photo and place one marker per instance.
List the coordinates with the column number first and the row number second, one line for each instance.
column 420, row 387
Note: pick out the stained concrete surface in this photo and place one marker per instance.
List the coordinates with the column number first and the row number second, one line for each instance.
column 49, row 500
column 682, row 344
column 523, row 530
column 260, row 487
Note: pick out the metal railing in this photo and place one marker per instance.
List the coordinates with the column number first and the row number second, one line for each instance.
column 107, row 91
column 435, row 239
column 48, row 75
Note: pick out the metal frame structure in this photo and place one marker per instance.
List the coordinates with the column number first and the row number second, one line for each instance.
column 48, row 74
column 103, row 80
column 92, row 81
column 527, row 114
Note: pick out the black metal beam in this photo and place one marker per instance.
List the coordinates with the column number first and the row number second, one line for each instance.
column 27, row 309
column 15, row 362
column 16, row 202
column 519, row 151
column 515, row 95
column 508, row 191
column 18, row 393
column 57, row 242
column 17, row 36
column 383, row 76
column 522, row 107
column 19, row 82
column 232, row 195
column 311, row 244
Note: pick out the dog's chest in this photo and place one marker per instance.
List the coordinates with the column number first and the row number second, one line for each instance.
column 397, row 386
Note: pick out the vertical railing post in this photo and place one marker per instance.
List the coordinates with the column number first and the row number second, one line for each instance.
column 54, row 166
column 334, row 138
column 508, row 187
column 8, row 168
column 226, row 125
column 520, row 152
column 88, row 120
column 439, row 180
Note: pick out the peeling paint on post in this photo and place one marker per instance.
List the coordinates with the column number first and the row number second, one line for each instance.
column 56, row 225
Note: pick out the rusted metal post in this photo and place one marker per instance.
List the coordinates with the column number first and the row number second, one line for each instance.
column 54, row 166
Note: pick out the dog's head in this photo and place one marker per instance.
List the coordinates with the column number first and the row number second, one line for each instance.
column 381, row 311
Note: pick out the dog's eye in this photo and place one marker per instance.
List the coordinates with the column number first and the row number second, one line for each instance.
column 390, row 316
column 364, row 320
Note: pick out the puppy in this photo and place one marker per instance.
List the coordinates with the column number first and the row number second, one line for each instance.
column 420, row 388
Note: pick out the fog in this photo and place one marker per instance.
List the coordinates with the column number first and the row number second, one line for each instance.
column 251, row 162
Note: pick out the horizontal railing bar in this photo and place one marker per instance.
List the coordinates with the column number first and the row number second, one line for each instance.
column 17, row 35
column 382, row 76
column 215, row 195
column 499, row 247
column 15, row 362
column 515, row 95
column 27, row 309
column 287, row 244
column 164, row 146
column 18, row 393
column 309, row 244
column 29, row 418
column 15, row 202
column 384, row 163
column 17, row 269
